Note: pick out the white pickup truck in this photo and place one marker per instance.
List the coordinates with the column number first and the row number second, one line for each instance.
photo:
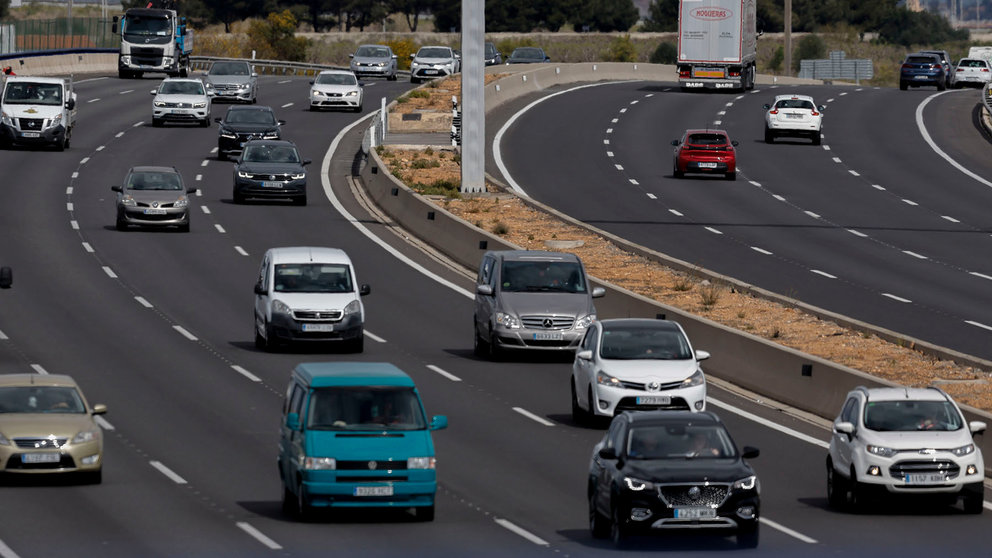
column 37, row 111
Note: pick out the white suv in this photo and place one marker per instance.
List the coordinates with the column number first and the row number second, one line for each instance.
column 795, row 116
column 904, row 441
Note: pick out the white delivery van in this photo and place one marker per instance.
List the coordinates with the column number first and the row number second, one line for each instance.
column 37, row 111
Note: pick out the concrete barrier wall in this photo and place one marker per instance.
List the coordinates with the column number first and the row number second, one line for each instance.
column 63, row 64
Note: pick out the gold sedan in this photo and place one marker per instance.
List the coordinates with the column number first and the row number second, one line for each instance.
column 46, row 426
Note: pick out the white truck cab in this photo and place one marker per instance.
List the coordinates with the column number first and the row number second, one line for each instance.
column 37, row 111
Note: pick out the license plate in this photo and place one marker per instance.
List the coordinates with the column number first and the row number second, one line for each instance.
column 548, row 336
column 177, row 111
column 318, row 327
column 40, row 458
column 695, row 513
column 30, row 134
column 707, row 165
column 154, row 212
column 924, row 478
column 374, row 490
column 794, row 116
column 430, row 72
column 921, row 77
column 271, row 184
column 654, row 400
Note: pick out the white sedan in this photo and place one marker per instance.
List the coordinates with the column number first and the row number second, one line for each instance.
column 971, row 71
column 336, row 89
column 181, row 100
column 794, row 116
column 636, row 364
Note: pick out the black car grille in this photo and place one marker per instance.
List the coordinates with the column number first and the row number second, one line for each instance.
column 947, row 468
column 630, row 404
column 547, row 322
column 685, row 495
column 40, row 443
column 177, row 105
column 32, row 123
column 226, row 86
column 318, row 316
column 65, row 462
column 371, row 466
column 156, row 205
column 248, row 136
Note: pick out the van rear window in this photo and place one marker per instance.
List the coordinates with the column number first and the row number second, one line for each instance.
column 365, row 408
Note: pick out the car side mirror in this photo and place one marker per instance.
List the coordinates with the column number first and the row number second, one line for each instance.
column 191, row 190
column 675, row 142
column 293, row 421
column 6, row 277
column 218, row 119
column 598, row 292
column 844, row 427
column 254, row 74
column 282, row 122
column 70, row 104
column 349, row 56
column 99, row 409
column 735, row 143
column 766, row 106
column 259, row 289
column 584, row 355
column 154, row 91
column 412, row 56
column 484, row 290
column 821, row 108
column 394, row 57
column 608, row 453
column 311, row 82
column 439, row 422
column 210, row 93
column 702, row 355
column 306, row 162
column 749, row 452
column 977, row 426
column 364, row 289
column 117, row 189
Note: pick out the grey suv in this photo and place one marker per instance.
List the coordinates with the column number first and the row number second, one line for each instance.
column 231, row 80
column 531, row 299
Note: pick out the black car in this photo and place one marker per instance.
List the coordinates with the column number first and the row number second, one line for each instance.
column 528, row 55
column 270, row 169
column 493, row 55
column 657, row 470
column 245, row 123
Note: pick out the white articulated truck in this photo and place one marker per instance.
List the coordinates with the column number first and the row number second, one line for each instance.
column 153, row 40
column 717, row 44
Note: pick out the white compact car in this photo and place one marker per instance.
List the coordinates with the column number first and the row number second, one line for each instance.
column 636, row 364
column 793, row 116
column 904, row 441
column 433, row 61
column 336, row 89
column 308, row 294
column 181, row 100
column 971, row 71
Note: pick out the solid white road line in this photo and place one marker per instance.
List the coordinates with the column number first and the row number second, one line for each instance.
column 374, row 337
column 444, row 373
column 897, row 298
column 787, row 531
column 257, row 535
column 533, row 417
column 982, row 275
column 167, row 472
column 770, row 424
column 182, row 331
column 110, row 272
column 522, row 532
column 39, row 369
column 143, row 302
column 6, row 552
column 933, row 145
column 823, row 273
column 103, row 422
column 245, row 373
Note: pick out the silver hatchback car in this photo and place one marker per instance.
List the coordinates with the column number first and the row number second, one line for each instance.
column 531, row 299
column 374, row 61
column 153, row 196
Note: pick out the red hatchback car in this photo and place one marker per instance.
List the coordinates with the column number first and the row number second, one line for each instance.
column 705, row 151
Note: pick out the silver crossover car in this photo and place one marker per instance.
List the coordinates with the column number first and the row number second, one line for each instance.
column 374, row 61
column 153, row 196
column 530, row 299
column 231, row 80
column 181, row 100
column 433, row 61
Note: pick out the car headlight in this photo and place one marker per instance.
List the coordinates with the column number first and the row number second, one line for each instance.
column 316, row 93
column 881, row 451
column 300, row 176
column 320, row 463
column 85, row 436
column 964, row 450
column 4, row 441
column 128, row 200
column 381, row 64
column 225, row 133
column 604, row 379
column 159, row 103
column 747, row 483
column 420, row 463
column 637, row 485
column 56, row 121
column 280, row 307
column 7, row 119
column 243, row 174
column 507, row 320
column 181, row 202
column 697, row 379
column 244, row 86
column 352, row 94
column 585, row 321
column 167, row 60
column 353, row 307
column 274, row 134
column 200, row 105
column 209, row 85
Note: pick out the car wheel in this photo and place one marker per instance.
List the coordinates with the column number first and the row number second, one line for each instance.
column 238, row 198
column 259, row 340
column 731, row 175
column 973, row 502
column 392, row 77
column 903, row 86
column 414, row 80
column 676, row 172
column 599, row 524
column 855, row 493
column 480, row 347
column 495, row 352
column 205, row 123
column 816, row 138
column 941, row 86
column 303, row 509
column 358, row 108
column 302, row 200
column 288, row 502
column 748, row 538
column 121, row 224
column 184, row 228
column 579, row 415
column 221, row 156
column 425, row 513
column 836, row 487
column 93, row 477
column 618, row 531
column 769, row 135
column 357, row 345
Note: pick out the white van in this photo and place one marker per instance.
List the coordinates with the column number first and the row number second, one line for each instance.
column 37, row 111
column 308, row 294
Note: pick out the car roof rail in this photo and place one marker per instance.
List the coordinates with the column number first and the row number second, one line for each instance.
column 940, row 391
column 863, row 390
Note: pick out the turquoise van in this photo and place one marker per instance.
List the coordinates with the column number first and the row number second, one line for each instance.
column 354, row 434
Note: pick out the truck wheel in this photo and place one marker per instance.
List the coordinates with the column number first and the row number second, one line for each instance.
column 123, row 74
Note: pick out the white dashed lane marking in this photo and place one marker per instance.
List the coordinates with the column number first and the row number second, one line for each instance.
column 675, row 213
column 258, row 536
column 143, row 302
column 897, row 298
column 712, row 230
column 182, row 331
column 982, row 275
column 533, row 417
column 909, row 202
column 240, row 250
column 915, row 255
column 949, row 218
column 245, row 373
column 444, row 373
column 169, row 473
column 977, row 324
column 857, row 233
column 823, row 273
column 761, row 251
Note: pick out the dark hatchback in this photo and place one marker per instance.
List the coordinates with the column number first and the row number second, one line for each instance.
column 528, row 55
column 270, row 169
column 921, row 69
column 660, row 470
column 245, row 123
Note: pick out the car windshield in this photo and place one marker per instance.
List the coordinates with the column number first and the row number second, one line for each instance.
column 154, row 181
column 250, row 116
column 313, row 278
column 41, row 399
column 181, row 88
column 336, row 79
column 141, row 25
column 230, row 69
column 270, row 154
column 679, row 441
column 542, row 276
column 528, row 53
column 373, row 52
column 972, row 64
column 794, row 104
column 365, row 408
column 30, row 93
column 908, row 416
column 705, row 140
column 922, row 60
column 434, row 52
column 633, row 342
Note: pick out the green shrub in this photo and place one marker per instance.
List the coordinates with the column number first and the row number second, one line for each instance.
column 666, row 53
column 811, row 47
column 622, row 50
column 775, row 64
column 402, row 48
column 440, row 187
column 275, row 38
column 419, row 94
column 420, row 163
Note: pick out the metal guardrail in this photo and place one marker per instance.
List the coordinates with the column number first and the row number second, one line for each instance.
column 837, row 67
column 273, row 67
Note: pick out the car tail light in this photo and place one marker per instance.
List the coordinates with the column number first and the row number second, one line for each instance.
column 907, row 67
column 960, row 69
column 985, row 69
column 684, row 72
column 735, row 73
column 814, row 113
column 773, row 111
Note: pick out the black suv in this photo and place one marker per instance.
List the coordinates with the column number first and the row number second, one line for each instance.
column 244, row 123
column 270, row 169
column 657, row 470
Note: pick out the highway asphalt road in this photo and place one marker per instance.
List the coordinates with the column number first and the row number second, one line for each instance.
column 157, row 325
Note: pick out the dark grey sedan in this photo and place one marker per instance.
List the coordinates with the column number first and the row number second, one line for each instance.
column 270, row 170
column 153, row 196
column 528, row 55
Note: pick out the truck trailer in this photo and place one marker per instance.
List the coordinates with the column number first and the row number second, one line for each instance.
column 153, row 40
column 717, row 44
